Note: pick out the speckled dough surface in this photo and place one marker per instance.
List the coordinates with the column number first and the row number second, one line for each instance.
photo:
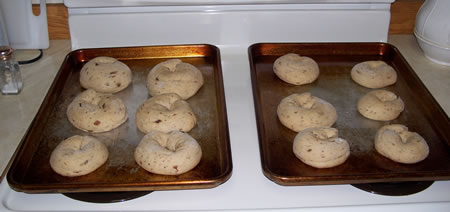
column 105, row 75
column 170, row 153
column 373, row 74
column 400, row 145
column 174, row 76
column 321, row 147
column 380, row 105
column 301, row 111
column 91, row 111
column 78, row 155
column 295, row 69
column 165, row 113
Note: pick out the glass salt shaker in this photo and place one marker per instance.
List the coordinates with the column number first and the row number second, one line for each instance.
column 10, row 77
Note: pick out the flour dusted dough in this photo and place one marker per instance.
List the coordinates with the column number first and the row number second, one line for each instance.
column 170, row 153
column 400, row 145
column 96, row 112
column 105, row 75
column 295, row 69
column 321, row 147
column 165, row 113
column 373, row 74
column 300, row 111
column 78, row 155
column 380, row 105
column 174, row 76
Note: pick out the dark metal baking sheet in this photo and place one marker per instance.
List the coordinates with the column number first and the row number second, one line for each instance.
column 31, row 172
column 422, row 114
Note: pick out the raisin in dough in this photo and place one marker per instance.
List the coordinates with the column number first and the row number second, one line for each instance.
column 165, row 113
column 300, row 111
column 321, row 147
column 91, row 111
column 295, row 69
column 105, row 75
column 78, row 155
column 174, row 76
column 373, row 74
column 172, row 153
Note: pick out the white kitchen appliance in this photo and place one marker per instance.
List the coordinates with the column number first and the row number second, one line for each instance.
column 25, row 30
column 237, row 23
column 233, row 26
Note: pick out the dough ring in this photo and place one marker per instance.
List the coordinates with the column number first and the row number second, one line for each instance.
column 78, row 155
column 300, row 111
column 174, row 76
column 165, row 113
column 96, row 112
column 320, row 147
column 105, row 75
column 295, row 69
column 170, row 153
column 380, row 105
column 373, row 74
column 400, row 145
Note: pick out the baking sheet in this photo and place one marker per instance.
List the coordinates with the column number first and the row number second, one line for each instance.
column 422, row 114
column 31, row 171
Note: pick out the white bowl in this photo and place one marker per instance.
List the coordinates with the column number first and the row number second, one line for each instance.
column 432, row 30
column 433, row 51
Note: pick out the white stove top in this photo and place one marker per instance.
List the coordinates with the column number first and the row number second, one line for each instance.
column 248, row 188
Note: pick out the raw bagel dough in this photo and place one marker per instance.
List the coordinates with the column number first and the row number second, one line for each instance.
column 400, row 145
column 295, row 69
column 174, row 76
column 170, row 153
column 165, row 113
column 105, row 75
column 380, row 105
column 96, row 112
column 300, row 111
column 321, row 147
column 78, row 155
column 373, row 74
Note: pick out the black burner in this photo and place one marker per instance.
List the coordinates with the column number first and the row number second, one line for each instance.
column 395, row 188
column 106, row 197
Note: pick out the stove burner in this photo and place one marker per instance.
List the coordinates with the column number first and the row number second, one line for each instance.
column 395, row 188
column 106, row 197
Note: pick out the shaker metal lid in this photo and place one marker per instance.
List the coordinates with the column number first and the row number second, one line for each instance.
column 5, row 52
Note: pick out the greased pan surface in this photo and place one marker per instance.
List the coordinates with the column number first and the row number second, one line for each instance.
column 422, row 114
column 31, row 172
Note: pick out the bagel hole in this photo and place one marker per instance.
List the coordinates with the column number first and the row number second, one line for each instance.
column 375, row 64
column 386, row 96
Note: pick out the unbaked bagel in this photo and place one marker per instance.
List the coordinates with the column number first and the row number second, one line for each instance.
column 96, row 112
column 105, row 75
column 174, row 76
column 400, row 145
column 78, row 155
column 165, row 113
column 295, row 69
column 170, row 153
column 321, row 147
column 380, row 105
column 373, row 74
column 300, row 111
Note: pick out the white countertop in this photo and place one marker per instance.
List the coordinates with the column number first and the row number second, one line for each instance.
column 18, row 111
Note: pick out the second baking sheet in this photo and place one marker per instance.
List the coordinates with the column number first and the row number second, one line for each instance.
column 422, row 114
